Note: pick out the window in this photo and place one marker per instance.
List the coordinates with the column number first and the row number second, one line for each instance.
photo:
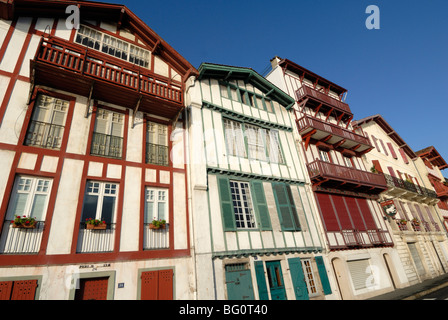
column 100, row 202
column 29, row 198
column 46, row 128
column 324, row 156
column 348, row 162
column 262, row 144
column 113, row 46
column 107, row 139
column 234, row 138
column 156, row 204
column 157, row 144
column 309, row 277
column 234, row 93
column 242, row 205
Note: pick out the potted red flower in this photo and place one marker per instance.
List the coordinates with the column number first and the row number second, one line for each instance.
column 157, row 224
column 95, row 224
column 24, row 222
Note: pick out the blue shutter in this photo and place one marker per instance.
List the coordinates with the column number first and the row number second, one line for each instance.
column 228, row 215
column 298, row 279
column 323, row 275
column 261, row 205
column 261, row 281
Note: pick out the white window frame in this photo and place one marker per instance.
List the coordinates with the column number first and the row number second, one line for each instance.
column 243, row 207
column 160, row 134
column 156, row 196
column 130, row 50
column 31, row 186
column 234, row 134
column 310, row 279
column 101, row 189
column 324, row 156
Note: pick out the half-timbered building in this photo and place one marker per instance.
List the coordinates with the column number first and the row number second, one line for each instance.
column 91, row 153
column 409, row 203
column 360, row 245
column 255, row 230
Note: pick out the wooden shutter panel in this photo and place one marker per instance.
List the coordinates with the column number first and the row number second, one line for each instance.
column 149, row 285
column 392, row 172
column 403, row 155
column 166, row 284
column 392, row 150
column 298, row 279
column 341, row 212
column 367, row 214
column 330, row 220
column 227, row 212
column 323, row 275
column 24, row 290
column 384, row 148
column 295, row 217
column 261, row 205
column 5, row 290
column 283, row 206
column 261, row 281
column 355, row 214
column 376, row 144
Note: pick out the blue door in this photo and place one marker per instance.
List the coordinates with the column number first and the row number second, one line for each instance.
column 275, row 279
column 239, row 283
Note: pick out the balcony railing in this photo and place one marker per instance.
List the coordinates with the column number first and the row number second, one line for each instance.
column 324, row 170
column 409, row 186
column 306, row 91
column 96, row 241
column 44, row 135
column 21, row 241
column 104, row 145
column 157, row 154
column 441, row 189
column 358, row 238
column 308, row 123
column 156, row 239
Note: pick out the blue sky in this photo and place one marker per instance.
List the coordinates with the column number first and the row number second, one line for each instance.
column 399, row 71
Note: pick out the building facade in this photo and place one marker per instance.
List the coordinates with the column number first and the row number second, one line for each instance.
column 254, row 227
column 410, row 203
column 361, row 248
column 92, row 151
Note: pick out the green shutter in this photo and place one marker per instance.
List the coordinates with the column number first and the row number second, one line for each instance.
column 285, row 206
column 298, row 279
column 261, row 281
column 323, row 275
column 261, row 206
column 228, row 215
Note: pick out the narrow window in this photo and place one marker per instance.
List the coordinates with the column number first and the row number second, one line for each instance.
column 157, row 144
column 242, row 205
column 234, row 138
column 156, row 205
column 47, row 124
column 309, row 277
column 107, row 139
column 100, row 202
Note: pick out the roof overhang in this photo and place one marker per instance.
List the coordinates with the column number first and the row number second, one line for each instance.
column 432, row 155
column 379, row 120
column 225, row 73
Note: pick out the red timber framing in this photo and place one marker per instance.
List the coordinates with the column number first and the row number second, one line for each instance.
column 12, row 10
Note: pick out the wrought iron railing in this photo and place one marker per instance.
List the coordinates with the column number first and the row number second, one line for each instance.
column 157, row 154
column 45, row 135
column 409, row 186
column 156, row 239
column 106, row 146
column 21, row 241
column 96, row 241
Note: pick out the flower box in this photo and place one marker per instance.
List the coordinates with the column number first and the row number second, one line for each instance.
column 101, row 226
column 24, row 222
column 24, row 226
column 157, row 227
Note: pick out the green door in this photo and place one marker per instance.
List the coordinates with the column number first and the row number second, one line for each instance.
column 239, row 283
column 275, row 278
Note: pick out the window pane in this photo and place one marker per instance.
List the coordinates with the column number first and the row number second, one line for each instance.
column 161, row 211
column 18, row 206
column 107, row 213
column 37, row 210
column 149, row 212
column 90, row 205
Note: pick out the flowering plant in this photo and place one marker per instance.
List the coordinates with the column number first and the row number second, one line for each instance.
column 158, row 223
column 95, row 222
column 24, row 221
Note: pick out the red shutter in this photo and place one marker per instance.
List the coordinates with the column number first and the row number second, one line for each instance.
column 403, row 154
column 392, row 172
column 376, row 144
column 342, row 213
column 5, row 290
column 157, row 285
column 384, row 148
column 92, row 289
column 24, row 290
column 149, row 285
column 392, row 150
column 377, row 166
column 355, row 214
column 166, row 285
column 326, row 209
column 367, row 214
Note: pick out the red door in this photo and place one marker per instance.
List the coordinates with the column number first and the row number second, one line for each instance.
column 92, row 289
column 157, row 285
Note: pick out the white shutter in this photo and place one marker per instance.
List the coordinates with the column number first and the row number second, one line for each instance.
column 416, row 257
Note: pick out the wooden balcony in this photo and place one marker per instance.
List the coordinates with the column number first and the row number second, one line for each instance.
column 329, row 175
column 441, row 189
column 317, row 99
column 334, row 135
column 77, row 69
